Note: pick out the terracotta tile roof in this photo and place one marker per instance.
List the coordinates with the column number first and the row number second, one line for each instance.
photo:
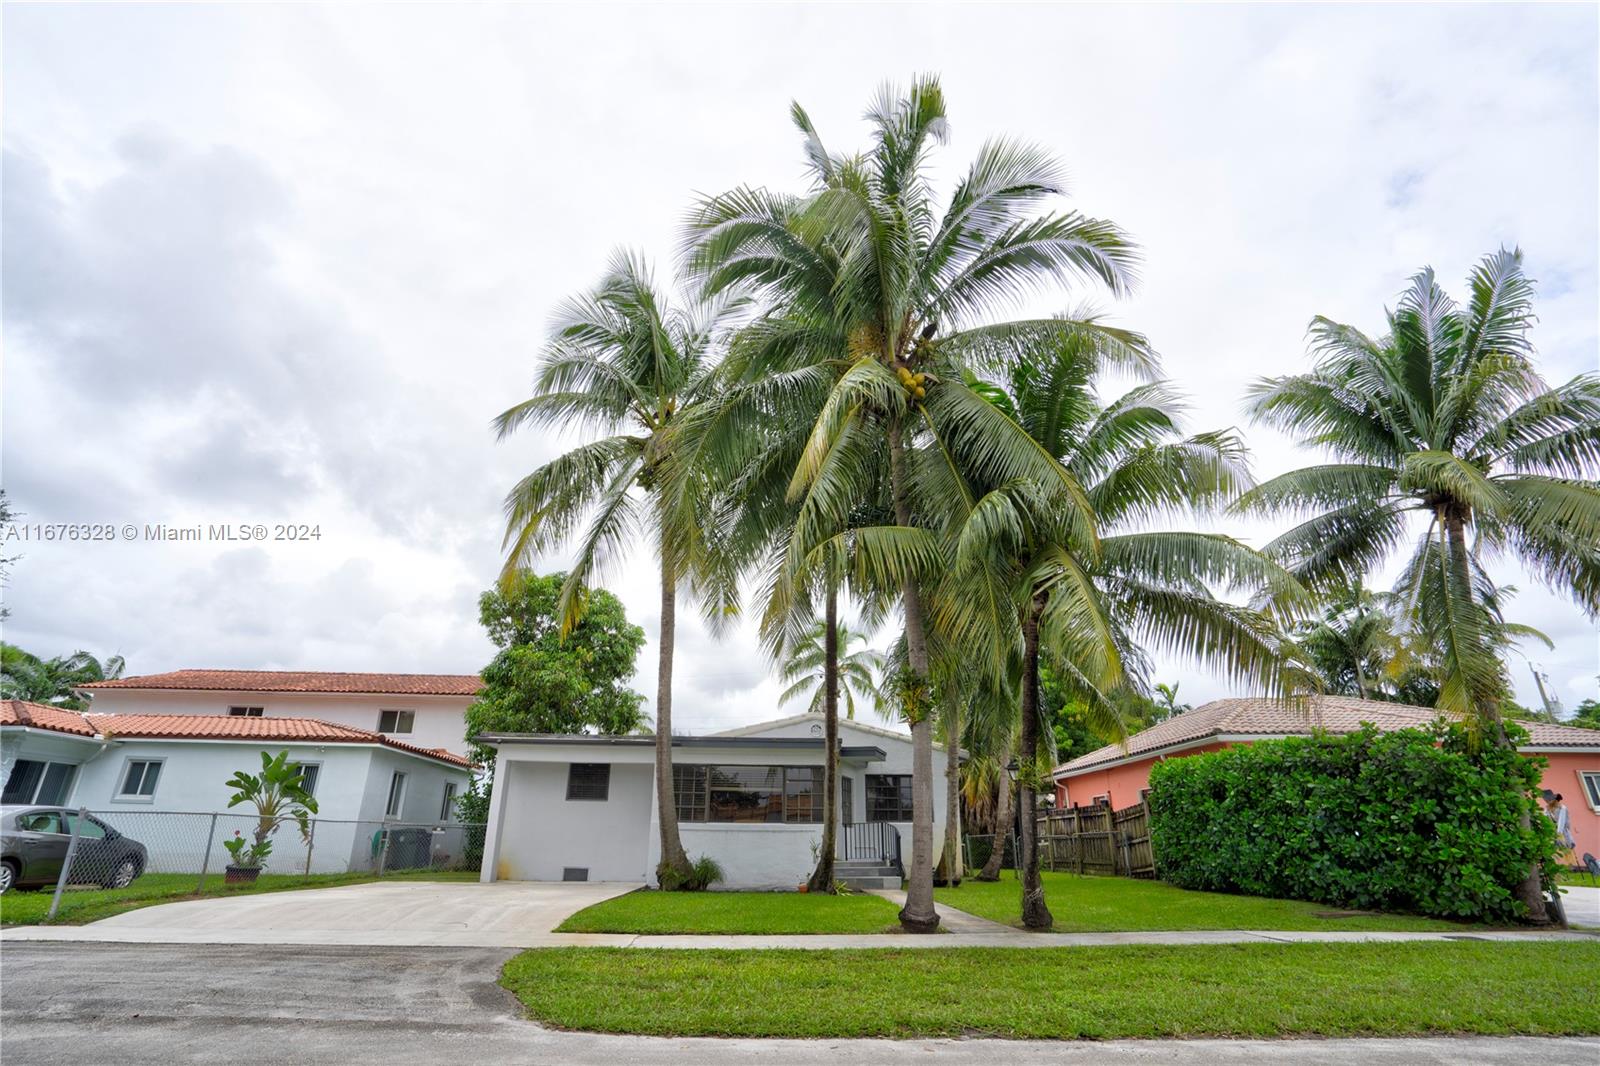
column 43, row 716
column 206, row 727
column 302, row 681
column 1267, row 717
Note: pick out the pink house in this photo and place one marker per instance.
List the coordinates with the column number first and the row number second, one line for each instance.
column 1119, row 775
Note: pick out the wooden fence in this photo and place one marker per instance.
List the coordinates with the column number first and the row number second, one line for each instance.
column 1097, row 840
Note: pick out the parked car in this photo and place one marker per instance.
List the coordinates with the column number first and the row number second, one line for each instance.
column 33, row 845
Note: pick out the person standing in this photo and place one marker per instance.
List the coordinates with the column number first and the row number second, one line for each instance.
column 1557, row 810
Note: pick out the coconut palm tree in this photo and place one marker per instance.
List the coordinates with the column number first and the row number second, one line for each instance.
column 805, row 670
column 911, row 285
column 1442, row 428
column 54, row 681
column 1090, row 608
column 623, row 361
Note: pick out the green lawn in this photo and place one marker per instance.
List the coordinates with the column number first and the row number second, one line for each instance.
column 1254, row 990
column 1083, row 904
column 81, row 904
column 735, row 913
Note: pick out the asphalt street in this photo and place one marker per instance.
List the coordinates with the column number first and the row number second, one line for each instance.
column 87, row 1004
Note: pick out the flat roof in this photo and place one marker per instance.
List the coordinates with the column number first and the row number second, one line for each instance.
column 848, row 751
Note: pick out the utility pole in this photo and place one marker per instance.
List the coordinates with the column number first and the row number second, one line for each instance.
column 1552, row 706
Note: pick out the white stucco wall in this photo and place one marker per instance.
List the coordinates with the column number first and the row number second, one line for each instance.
column 438, row 721
column 175, row 823
column 542, row 831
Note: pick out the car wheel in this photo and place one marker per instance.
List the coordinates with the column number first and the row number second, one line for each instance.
column 126, row 871
column 8, row 875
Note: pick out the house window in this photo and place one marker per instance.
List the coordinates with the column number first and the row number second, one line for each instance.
column 46, row 783
column 847, row 800
column 448, row 807
column 1103, row 800
column 588, row 781
column 397, row 795
column 1591, row 787
column 396, row 721
column 309, row 773
column 245, row 712
column 139, row 779
column 888, row 797
column 748, row 794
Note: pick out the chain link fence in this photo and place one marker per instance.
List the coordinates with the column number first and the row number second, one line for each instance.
column 980, row 846
column 89, row 859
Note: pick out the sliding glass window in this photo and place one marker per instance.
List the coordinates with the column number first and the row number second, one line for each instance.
column 748, row 794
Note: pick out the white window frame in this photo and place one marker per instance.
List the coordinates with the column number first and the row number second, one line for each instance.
column 122, row 779
column 448, row 803
column 1589, row 781
column 317, row 782
column 408, row 718
column 33, row 797
column 395, row 804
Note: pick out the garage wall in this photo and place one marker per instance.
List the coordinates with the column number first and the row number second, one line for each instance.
column 542, row 831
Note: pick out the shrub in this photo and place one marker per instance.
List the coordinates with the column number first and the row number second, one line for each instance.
column 1409, row 820
column 703, row 873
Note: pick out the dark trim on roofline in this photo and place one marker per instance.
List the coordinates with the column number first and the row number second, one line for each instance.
column 858, row 751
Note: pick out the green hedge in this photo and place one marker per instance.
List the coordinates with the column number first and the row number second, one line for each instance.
column 1410, row 820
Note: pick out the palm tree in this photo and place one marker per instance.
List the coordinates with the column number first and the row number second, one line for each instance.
column 25, row 676
column 1167, row 696
column 1090, row 606
column 1442, row 424
column 621, row 360
column 908, row 285
column 806, row 669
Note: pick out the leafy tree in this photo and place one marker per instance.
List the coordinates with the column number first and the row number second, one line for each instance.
column 1587, row 715
column 804, row 670
column 1168, row 700
column 870, row 255
column 24, row 676
column 624, row 361
column 543, row 682
column 1445, row 418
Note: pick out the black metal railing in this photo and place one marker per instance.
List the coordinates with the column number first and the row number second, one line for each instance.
column 877, row 842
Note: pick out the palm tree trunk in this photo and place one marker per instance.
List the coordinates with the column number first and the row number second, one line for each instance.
column 672, row 854
column 1035, row 914
column 822, row 876
column 1002, row 823
column 950, row 857
column 1531, row 890
column 918, row 915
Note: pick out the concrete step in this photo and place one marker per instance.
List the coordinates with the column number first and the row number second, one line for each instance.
column 862, row 884
column 864, row 869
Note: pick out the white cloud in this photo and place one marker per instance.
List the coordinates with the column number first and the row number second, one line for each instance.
column 285, row 263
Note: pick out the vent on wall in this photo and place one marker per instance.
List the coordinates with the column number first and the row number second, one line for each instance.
column 574, row 873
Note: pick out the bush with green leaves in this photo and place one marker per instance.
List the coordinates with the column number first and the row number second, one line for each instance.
column 703, row 873
column 1416, row 820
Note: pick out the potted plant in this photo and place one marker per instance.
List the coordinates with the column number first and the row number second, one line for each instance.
column 278, row 795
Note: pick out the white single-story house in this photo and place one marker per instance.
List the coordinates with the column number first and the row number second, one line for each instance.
column 159, row 778
column 583, row 807
column 427, row 710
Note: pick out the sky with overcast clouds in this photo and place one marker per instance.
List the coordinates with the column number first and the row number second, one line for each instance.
column 283, row 264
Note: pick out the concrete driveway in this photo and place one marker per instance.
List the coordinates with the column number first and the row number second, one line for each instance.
column 134, row 1004
column 505, row 914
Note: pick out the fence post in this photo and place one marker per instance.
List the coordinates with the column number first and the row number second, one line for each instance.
column 311, row 841
column 205, row 860
column 66, row 864
column 383, row 851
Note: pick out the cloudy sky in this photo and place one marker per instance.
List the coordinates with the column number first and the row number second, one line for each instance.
column 283, row 264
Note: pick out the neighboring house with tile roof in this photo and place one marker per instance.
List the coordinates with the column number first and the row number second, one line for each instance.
column 1119, row 774
column 427, row 710
column 159, row 777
